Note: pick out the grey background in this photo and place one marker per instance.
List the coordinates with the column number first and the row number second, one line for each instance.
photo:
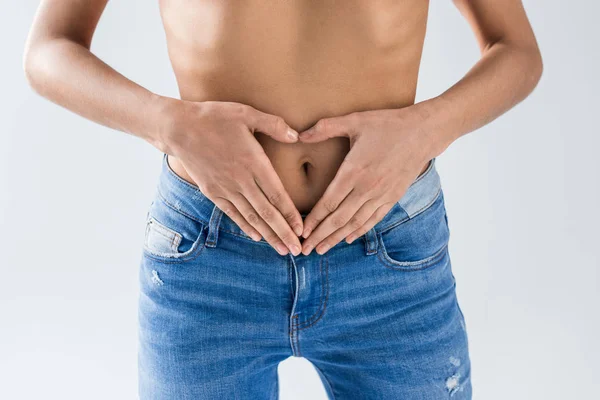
column 522, row 196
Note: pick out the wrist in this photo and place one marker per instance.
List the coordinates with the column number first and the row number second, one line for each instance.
column 431, row 117
column 165, row 135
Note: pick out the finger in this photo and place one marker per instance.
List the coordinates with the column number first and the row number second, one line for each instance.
column 334, row 221
column 236, row 216
column 273, row 126
column 250, row 214
column 325, row 128
column 269, row 182
column 356, row 222
column 272, row 217
column 371, row 222
column 335, row 193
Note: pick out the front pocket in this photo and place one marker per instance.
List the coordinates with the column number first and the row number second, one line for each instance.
column 171, row 235
column 161, row 239
column 416, row 243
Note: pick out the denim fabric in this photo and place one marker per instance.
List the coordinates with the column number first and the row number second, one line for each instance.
column 378, row 319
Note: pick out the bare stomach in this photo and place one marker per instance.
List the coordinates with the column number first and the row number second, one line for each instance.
column 299, row 60
column 304, row 169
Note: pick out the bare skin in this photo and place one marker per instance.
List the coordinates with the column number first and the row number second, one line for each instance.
column 292, row 106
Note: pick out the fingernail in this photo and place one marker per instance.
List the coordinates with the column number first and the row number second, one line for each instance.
column 307, row 251
column 295, row 249
column 281, row 249
column 306, row 232
column 323, row 249
column 292, row 134
column 350, row 239
column 256, row 237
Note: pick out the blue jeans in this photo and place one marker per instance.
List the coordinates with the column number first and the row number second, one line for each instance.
column 378, row 318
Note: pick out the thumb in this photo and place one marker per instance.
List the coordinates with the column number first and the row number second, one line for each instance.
column 325, row 128
column 274, row 127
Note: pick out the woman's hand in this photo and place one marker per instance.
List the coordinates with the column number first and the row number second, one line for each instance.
column 388, row 150
column 216, row 144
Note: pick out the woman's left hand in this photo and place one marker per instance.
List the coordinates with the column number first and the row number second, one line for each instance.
column 388, row 150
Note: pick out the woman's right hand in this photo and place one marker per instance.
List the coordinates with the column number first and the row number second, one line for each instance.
column 215, row 142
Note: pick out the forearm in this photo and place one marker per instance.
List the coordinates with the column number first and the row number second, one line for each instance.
column 504, row 76
column 69, row 75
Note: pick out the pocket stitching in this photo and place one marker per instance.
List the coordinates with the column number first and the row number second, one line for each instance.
column 166, row 232
column 167, row 258
column 409, row 265
column 189, row 255
column 389, row 262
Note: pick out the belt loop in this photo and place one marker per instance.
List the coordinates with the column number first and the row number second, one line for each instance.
column 213, row 227
column 370, row 239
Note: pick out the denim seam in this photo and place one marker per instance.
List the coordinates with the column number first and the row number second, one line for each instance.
column 203, row 222
column 387, row 228
column 322, row 309
column 191, row 254
column 309, row 320
column 294, row 314
column 437, row 194
column 175, row 260
column 297, row 337
column 175, row 239
column 294, row 335
column 411, row 265
column 426, row 172
column 290, row 279
column 172, row 207
column 213, row 231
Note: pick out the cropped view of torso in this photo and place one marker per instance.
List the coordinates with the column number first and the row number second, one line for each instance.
column 299, row 59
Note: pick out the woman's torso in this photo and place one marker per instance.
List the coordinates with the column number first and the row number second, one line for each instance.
column 299, row 59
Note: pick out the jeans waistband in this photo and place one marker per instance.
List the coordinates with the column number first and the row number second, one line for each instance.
column 190, row 201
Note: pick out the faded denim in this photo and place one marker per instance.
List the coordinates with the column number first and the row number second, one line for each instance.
column 379, row 319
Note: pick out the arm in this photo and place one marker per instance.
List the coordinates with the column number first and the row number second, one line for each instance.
column 400, row 141
column 509, row 69
column 60, row 66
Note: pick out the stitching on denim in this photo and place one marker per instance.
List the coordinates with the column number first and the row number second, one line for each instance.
column 297, row 337
column 412, row 265
column 193, row 254
column 294, row 336
column 372, row 241
column 324, row 303
column 203, row 222
column 213, row 228
column 290, row 279
column 261, row 242
column 172, row 207
column 429, row 204
column 418, row 263
column 395, row 224
column 316, row 313
column 175, row 237
column 189, row 255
